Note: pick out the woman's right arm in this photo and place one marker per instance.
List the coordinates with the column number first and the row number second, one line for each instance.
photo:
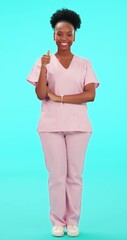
column 41, row 89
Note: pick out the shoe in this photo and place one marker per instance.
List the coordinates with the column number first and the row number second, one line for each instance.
column 72, row 230
column 58, row 231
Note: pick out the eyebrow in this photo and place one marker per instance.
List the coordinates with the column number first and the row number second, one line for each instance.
column 61, row 31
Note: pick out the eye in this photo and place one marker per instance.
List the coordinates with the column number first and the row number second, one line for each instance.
column 59, row 34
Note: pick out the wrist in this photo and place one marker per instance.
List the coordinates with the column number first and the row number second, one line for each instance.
column 58, row 98
column 61, row 98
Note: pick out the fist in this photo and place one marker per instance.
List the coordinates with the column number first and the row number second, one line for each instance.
column 45, row 59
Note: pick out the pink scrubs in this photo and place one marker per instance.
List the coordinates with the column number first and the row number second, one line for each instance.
column 64, row 131
column 57, row 116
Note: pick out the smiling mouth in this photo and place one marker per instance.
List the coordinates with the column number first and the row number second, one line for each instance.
column 63, row 44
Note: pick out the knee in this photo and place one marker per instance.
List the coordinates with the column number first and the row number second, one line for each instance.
column 57, row 178
column 74, row 177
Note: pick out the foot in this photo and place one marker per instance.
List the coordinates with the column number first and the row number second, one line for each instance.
column 58, row 231
column 72, row 230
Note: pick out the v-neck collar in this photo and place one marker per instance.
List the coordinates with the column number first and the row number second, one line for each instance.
column 61, row 63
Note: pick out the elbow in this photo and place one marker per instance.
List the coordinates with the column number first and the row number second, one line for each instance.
column 90, row 95
column 92, row 98
column 40, row 96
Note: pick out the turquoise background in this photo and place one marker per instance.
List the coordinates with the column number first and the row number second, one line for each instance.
column 26, row 35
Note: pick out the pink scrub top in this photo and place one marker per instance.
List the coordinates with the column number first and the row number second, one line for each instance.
column 58, row 116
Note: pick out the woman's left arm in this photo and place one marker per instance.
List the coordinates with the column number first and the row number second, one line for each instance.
column 88, row 95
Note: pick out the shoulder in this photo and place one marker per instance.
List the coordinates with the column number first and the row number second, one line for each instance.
column 82, row 60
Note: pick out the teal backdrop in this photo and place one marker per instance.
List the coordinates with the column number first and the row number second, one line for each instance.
column 26, row 35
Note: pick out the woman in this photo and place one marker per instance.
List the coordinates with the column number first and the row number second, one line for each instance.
column 64, row 83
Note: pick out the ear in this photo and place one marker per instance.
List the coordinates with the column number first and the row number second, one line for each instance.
column 74, row 38
column 54, row 36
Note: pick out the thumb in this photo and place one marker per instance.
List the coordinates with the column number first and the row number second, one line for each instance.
column 48, row 53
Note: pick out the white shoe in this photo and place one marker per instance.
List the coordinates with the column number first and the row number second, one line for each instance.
column 72, row 230
column 58, row 231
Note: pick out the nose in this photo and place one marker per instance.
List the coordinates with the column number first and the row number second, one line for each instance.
column 64, row 37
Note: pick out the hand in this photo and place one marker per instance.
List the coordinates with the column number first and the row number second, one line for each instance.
column 45, row 59
column 53, row 96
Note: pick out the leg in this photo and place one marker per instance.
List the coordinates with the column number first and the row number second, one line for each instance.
column 53, row 144
column 76, row 144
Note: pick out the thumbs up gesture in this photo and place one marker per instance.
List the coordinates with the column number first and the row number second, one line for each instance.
column 45, row 59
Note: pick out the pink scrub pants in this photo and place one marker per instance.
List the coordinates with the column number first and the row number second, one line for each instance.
column 64, row 158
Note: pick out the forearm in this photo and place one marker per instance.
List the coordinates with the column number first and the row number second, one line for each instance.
column 86, row 96
column 41, row 88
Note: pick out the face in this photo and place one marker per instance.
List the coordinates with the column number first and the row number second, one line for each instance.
column 64, row 35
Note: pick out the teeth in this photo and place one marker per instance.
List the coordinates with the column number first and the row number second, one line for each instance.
column 64, row 44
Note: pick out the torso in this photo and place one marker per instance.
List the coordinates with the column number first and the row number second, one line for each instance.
column 58, row 116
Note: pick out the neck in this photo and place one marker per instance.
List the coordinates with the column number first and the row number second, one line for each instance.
column 64, row 53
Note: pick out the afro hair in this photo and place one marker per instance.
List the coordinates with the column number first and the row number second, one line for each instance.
column 66, row 15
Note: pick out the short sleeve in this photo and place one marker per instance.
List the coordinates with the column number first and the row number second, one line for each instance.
column 33, row 76
column 90, row 76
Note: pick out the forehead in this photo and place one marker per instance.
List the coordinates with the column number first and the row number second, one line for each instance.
column 64, row 26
